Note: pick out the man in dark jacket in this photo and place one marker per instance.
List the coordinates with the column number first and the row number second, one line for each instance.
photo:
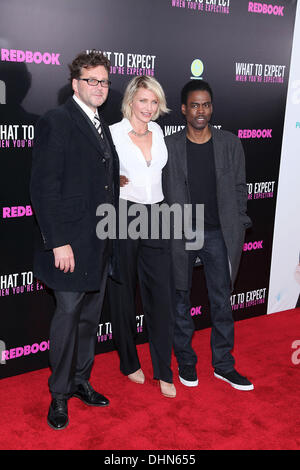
column 207, row 166
column 75, row 169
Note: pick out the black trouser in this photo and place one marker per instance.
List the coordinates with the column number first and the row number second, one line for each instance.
column 73, row 335
column 216, row 268
column 148, row 262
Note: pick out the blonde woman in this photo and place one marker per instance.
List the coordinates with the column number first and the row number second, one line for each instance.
column 139, row 142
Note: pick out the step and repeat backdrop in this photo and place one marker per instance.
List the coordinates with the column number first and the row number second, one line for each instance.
column 243, row 49
column 284, row 288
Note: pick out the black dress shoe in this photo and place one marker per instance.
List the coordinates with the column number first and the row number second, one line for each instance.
column 58, row 414
column 87, row 394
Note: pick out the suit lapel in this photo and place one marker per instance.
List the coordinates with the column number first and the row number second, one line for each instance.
column 218, row 147
column 181, row 151
column 219, row 155
column 85, row 125
column 106, row 142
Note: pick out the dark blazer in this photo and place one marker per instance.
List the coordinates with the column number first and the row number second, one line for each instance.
column 231, row 195
column 73, row 171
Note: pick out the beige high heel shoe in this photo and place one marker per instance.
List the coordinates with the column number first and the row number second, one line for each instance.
column 137, row 377
column 168, row 390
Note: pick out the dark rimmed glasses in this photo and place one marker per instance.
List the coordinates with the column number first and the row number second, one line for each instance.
column 95, row 82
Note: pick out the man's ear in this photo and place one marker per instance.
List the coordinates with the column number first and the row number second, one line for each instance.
column 75, row 85
column 183, row 109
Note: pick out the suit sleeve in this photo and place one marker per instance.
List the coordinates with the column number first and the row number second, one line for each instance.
column 46, row 178
column 166, row 176
column 240, row 183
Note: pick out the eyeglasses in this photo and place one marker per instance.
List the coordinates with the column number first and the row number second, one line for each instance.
column 95, row 82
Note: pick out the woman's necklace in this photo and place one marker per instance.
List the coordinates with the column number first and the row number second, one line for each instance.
column 140, row 135
column 148, row 162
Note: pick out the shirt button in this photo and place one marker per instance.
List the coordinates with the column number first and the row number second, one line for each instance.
column 106, row 187
column 103, row 160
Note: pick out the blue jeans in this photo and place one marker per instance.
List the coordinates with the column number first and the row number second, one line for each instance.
column 214, row 258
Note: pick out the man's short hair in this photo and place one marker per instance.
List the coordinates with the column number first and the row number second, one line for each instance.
column 195, row 85
column 87, row 60
column 148, row 83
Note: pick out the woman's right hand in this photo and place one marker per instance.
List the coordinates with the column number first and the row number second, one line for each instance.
column 123, row 181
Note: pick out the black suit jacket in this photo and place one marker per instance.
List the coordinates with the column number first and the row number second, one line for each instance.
column 73, row 171
column 231, row 195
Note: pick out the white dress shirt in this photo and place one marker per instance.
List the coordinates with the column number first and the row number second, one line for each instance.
column 145, row 182
column 88, row 111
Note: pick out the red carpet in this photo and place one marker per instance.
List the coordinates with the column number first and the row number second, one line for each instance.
column 212, row 416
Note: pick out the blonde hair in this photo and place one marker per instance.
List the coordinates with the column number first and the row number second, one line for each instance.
column 149, row 83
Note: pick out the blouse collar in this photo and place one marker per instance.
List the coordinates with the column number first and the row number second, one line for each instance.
column 128, row 127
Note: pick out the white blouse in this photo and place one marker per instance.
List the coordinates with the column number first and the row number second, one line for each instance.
column 145, row 182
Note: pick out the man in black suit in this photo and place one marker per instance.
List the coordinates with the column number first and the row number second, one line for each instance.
column 75, row 169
